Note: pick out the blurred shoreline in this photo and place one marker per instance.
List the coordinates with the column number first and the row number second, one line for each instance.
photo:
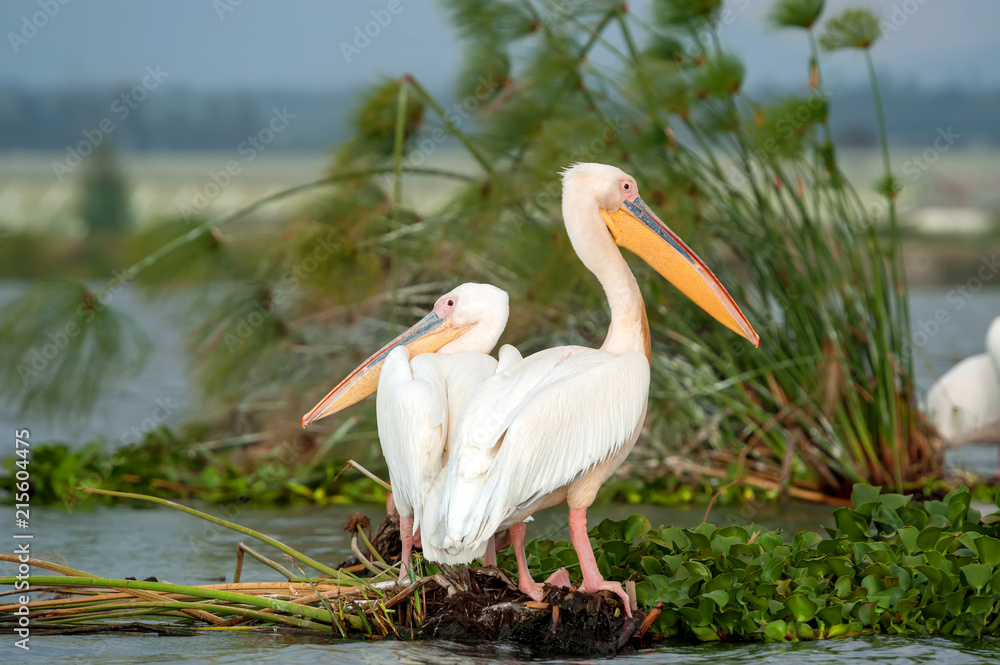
column 950, row 211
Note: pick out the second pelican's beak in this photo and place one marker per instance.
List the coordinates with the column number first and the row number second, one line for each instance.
column 636, row 228
column 426, row 336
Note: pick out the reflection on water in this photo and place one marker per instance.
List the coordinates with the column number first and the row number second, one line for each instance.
column 243, row 649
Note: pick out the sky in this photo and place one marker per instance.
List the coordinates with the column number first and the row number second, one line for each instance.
column 212, row 44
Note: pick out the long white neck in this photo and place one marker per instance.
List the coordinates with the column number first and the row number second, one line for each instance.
column 596, row 248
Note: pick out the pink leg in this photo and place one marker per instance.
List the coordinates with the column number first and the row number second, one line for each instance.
column 490, row 558
column 405, row 535
column 524, row 582
column 592, row 579
column 390, row 506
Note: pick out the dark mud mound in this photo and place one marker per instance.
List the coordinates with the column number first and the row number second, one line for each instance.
column 483, row 605
column 577, row 624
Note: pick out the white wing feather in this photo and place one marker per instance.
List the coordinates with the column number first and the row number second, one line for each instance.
column 533, row 429
column 412, row 426
column 418, row 402
column 966, row 399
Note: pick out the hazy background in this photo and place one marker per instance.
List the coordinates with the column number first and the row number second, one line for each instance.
column 225, row 67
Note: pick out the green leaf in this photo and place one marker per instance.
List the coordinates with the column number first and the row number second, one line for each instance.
column 720, row 597
column 908, row 535
column 634, row 527
column 802, row 608
column 722, row 544
column 862, row 493
column 928, row 537
column 776, row 631
column 705, row 633
column 699, row 540
column 806, row 540
column 651, row 565
column 977, row 575
column 849, row 524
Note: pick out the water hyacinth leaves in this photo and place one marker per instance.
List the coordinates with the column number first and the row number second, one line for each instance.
column 735, row 583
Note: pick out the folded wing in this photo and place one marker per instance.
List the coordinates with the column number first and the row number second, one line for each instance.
column 532, row 429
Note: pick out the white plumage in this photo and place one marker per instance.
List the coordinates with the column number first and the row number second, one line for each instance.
column 964, row 404
column 418, row 403
column 503, row 463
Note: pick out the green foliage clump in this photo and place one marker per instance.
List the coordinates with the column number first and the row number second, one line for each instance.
column 165, row 465
column 853, row 28
column 795, row 13
column 48, row 332
column 891, row 565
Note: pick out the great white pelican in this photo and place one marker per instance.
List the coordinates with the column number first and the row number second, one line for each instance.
column 554, row 426
column 424, row 379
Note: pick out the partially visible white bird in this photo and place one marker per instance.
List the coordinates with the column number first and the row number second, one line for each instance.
column 424, row 379
column 964, row 404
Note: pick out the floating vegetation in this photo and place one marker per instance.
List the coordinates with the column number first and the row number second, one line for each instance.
column 891, row 565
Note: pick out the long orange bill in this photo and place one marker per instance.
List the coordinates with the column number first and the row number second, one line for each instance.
column 426, row 336
column 636, row 228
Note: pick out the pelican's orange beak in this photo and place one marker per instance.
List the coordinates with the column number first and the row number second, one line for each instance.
column 636, row 228
column 426, row 336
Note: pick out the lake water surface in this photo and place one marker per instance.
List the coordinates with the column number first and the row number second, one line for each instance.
column 121, row 541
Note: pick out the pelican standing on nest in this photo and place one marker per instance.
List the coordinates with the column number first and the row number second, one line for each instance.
column 424, row 379
column 556, row 425
column 964, row 404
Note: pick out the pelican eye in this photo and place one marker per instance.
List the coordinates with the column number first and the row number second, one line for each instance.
column 451, row 303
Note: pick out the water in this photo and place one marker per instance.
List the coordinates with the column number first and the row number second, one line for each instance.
column 118, row 542
column 122, row 541
column 253, row 649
